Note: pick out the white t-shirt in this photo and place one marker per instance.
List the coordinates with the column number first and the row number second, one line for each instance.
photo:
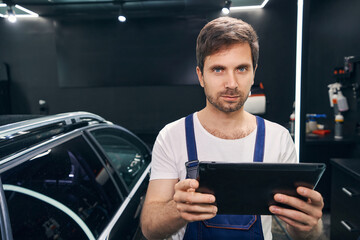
column 170, row 153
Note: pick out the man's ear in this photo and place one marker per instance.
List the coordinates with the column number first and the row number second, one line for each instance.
column 200, row 76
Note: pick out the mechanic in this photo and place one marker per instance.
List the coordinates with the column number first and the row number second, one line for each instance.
column 227, row 53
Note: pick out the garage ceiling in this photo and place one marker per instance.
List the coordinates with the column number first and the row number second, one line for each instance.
column 132, row 8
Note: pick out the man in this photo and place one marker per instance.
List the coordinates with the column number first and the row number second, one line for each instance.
column 227, row 54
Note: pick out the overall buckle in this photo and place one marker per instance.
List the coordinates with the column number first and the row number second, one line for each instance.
column 192, row 169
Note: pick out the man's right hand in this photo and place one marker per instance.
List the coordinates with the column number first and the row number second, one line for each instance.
column 193, row 206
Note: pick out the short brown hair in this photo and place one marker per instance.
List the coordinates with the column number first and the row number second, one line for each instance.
column 223, row 32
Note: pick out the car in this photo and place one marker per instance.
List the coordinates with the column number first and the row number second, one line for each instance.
column 71, row 176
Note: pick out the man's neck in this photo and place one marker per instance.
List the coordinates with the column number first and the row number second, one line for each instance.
column 232, row 125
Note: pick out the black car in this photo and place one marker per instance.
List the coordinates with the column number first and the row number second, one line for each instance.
column 71, row 176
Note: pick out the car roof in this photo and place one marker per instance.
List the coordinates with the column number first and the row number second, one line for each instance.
column 15, row 136
column 67, row 118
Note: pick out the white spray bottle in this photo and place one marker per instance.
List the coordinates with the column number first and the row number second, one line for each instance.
column 335, row 92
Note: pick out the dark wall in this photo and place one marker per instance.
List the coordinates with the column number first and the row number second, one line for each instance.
column 29, row 47
column 141, row 52
column 333, row 34
column 39, row 53
column 276, row 28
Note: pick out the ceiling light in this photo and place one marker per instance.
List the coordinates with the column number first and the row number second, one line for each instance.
column 121, row 17
column 257, row 6
column 11, row 15
column 226, row 9
column 17, row 10
column 28, row 13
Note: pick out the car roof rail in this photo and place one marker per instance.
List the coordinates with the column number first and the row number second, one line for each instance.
column 65, row 119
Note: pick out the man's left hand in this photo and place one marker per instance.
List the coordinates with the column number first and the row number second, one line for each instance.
column 306, row 216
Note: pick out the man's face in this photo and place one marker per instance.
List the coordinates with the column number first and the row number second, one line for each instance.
column 227, row 77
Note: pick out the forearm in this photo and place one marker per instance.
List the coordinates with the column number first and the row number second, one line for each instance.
column 315, row 233
column 161, row 220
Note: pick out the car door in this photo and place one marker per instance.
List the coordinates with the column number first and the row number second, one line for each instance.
column 130, row 158
column 65, row 192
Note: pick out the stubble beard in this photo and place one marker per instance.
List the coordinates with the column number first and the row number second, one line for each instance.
column 224, row 106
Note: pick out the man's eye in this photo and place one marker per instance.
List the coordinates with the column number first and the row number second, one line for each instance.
column 242, row 69
column 218, row 70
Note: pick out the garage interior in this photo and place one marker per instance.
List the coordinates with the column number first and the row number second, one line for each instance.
column 140, row 74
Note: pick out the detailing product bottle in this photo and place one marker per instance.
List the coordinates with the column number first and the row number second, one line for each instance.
column 312, row 124
column 339, row 120
column 335, row 104
column 342, row 102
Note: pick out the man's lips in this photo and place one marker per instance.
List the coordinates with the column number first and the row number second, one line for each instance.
column 230, row 97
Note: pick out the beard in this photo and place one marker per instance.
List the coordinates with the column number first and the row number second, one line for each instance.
column 225, row 106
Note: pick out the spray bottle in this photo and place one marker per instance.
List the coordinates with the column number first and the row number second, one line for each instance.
column 335, row 93
column 339, row 120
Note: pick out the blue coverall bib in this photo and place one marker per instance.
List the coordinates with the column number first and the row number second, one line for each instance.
column 223, row 226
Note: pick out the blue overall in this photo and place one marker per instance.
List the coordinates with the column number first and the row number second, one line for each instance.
column 223, row 226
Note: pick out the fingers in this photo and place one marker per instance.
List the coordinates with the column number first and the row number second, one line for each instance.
column 192, row 217
column 314, row 196
column 300, row 218
column 204, row 208
column 192, row 197
column 306, row 214
column 191, row 205
column 297, row 225
column 186, row 184
column 196, row 210
column 312, row 207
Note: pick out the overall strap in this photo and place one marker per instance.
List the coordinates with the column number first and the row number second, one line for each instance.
column 193, row 162
column 260, row 140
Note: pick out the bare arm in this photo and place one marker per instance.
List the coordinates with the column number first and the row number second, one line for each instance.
column 159, row 217
column 170, row 205
column 305, row 222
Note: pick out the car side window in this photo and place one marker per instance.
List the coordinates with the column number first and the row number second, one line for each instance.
column 127, row 155
column 62, row 193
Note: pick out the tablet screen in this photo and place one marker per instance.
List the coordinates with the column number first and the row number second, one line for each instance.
column 249, row 188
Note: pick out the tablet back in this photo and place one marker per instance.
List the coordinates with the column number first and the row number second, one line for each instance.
column 249, row 188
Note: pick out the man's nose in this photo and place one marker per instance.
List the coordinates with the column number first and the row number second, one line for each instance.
column 231, row 81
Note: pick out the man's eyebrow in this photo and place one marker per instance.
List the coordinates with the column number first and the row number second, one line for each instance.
column 216, row 66
column 244, row 65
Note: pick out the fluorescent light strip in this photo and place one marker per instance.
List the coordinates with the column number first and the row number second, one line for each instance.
column 3, row 5
column 250, row 7
column 53, row 202
column 299, row 36
column 30, row 14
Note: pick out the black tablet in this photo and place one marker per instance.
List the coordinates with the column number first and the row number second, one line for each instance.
column 249, row 188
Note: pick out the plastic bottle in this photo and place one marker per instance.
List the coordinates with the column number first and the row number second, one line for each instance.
column 342, row 102
column 312, row 124
column 339, row 120
column 335, row 104
column 331, row 94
